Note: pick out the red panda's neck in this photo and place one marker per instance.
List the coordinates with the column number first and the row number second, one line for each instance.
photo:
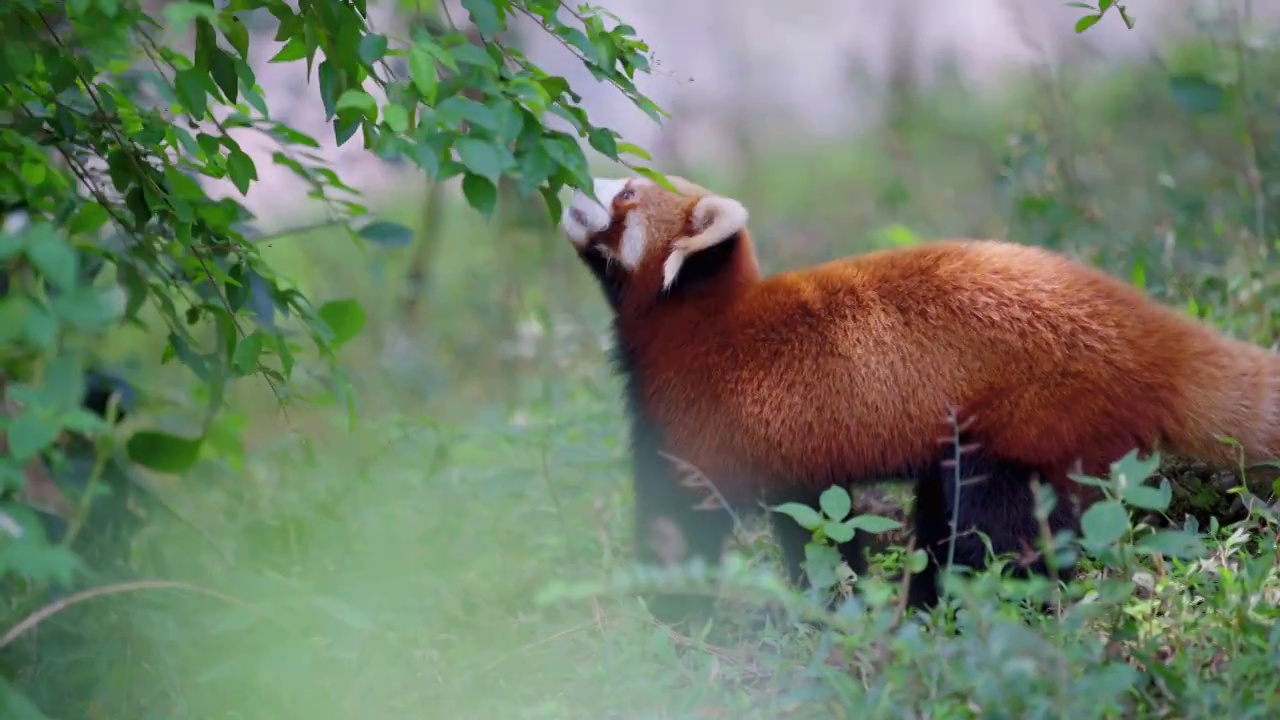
column 689, row 322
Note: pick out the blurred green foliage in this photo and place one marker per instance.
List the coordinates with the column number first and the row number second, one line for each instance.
column 111, row 127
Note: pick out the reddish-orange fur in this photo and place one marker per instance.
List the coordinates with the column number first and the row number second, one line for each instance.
column 776, row 388
column 849, row 367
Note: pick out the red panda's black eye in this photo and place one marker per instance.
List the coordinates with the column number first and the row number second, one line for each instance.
column 626, row 194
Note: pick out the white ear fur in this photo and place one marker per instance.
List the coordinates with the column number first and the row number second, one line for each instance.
column 718, row 219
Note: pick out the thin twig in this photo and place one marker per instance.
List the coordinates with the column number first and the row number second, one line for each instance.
column 536, row 644
column 737, row 521
column 58, row 606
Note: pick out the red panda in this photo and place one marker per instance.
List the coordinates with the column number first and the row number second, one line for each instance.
column 777, row 388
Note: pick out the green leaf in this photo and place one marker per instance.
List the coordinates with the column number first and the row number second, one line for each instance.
column 241, row 169
column 163, row 452
column 486, row 16
column 873, row 524
column 344, row 129
column 31, row 555
column 442, row 55
column 237, row 34
column 657, row 177
column 29, row 433
column 247, row 353
column 373, row 47
column 63, row 385
column 135, row 287
column 396, row 116
column 820, row 564
column 56, row 260
column 295, row 49
column 480, row 158
column 564, row 151
column 551, row 197
column 510, row 120
column 838, row 531
column 182, row 13
column 474, row 55
column 387, row 233
column 136, row 199
column 329, row 82
column 480, row 193
column 1155, row 499
column 1132, row 469
column 835, row 503
column 1173, row 543
column 422, row 71
column 626, row 148
column 12, row 244
column 223, row 69
column 191, row 92
column 34, row 171
column 235, row 289
column 455, row 110
column 345, row 318
column 805, row 516
column 604, row 142
column 1104, row 523
column 88, row 218
column 1149, row 498
column 535, row 167
column 39, row 327
column 1197, row 94
column 427, row 157
column 86, row 308
column 1129, row 472
column 359, row 100
column 1087, row 22
column 918, row 561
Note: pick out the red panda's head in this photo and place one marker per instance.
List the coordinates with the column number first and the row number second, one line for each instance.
column 641, row 239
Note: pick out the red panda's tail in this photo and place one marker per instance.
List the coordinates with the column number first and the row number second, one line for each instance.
column 1235, row 393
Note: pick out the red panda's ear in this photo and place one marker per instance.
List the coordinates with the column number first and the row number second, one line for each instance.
column 714, row 219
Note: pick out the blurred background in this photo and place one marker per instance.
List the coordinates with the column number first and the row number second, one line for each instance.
column 392, row 565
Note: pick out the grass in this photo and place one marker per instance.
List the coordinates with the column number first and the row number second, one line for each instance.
column 396, row 569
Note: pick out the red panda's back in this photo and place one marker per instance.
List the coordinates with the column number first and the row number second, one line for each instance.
column 853, row 364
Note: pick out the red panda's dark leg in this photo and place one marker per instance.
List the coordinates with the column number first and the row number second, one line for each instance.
column 670, row 529
column 996, row 499
column 931, row 528
column 970, row 493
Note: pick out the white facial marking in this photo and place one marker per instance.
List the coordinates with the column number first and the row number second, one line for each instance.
column 671, row 267
column 633, row 241
column 585, row 217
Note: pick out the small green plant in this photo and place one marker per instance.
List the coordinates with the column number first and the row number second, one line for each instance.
column 831, row 524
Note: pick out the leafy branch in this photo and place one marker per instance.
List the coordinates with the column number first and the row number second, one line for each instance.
column 108, row 139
